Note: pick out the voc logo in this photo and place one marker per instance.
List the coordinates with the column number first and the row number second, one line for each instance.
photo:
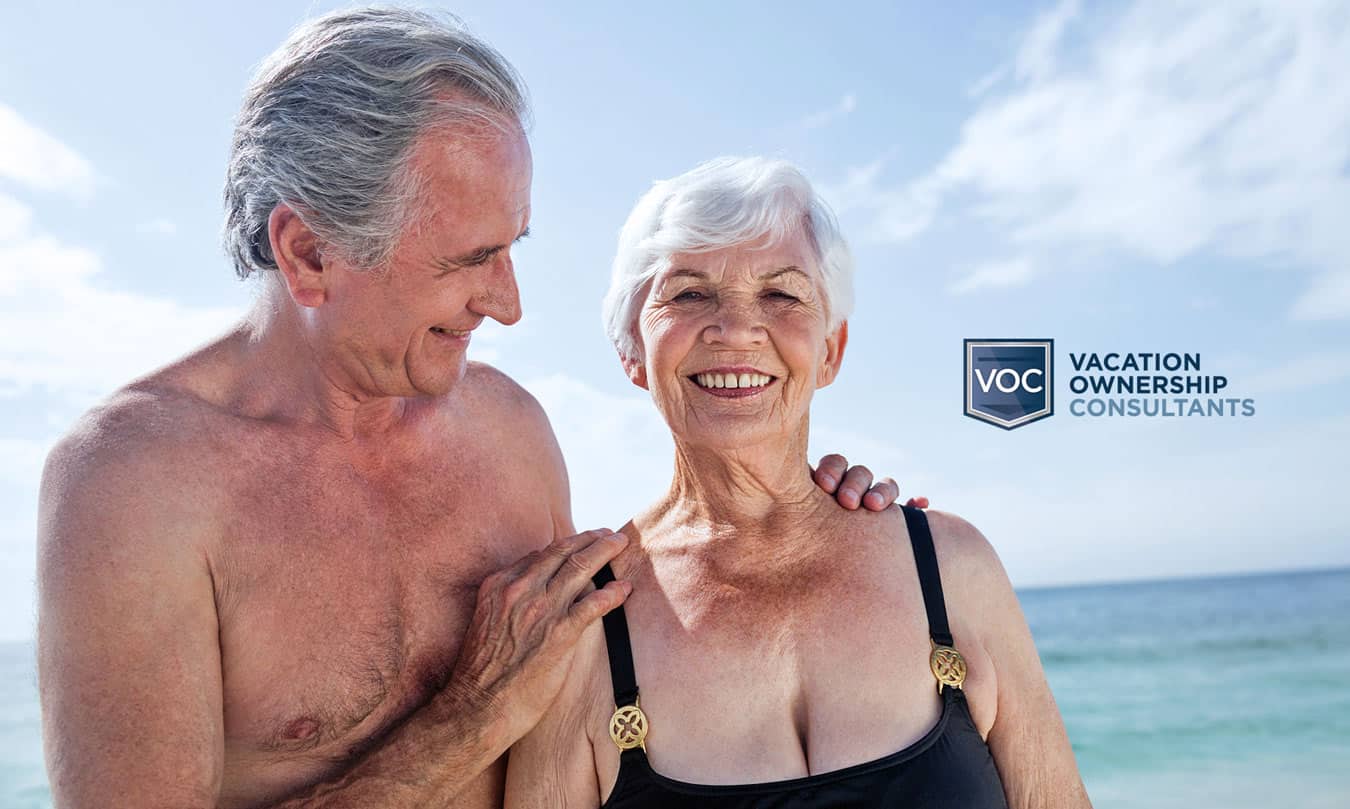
column 1009, row 383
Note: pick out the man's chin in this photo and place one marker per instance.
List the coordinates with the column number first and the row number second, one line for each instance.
column 442, row 382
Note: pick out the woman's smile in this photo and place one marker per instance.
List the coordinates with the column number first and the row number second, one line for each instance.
column 732, row 383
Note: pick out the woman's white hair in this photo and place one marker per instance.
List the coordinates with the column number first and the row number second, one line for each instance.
column 721, row 203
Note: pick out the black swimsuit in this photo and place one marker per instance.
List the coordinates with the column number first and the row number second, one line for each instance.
column 949, row 767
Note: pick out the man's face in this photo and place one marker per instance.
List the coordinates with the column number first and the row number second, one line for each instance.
column 403, row 329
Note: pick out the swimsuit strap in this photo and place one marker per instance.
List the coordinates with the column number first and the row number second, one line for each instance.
column 620, row 648
column 925, row 558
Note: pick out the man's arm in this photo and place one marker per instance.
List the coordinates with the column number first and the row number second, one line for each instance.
column 128, row 655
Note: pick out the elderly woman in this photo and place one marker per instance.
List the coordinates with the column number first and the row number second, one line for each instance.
column 776, row 651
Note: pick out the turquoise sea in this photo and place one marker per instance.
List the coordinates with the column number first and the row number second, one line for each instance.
column 1223, row 693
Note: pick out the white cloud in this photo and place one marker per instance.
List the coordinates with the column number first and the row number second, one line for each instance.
column 1162, row 511
column 1299, row 373
column 618, row 449
column 1036, row 58
column 35, row 159
column 995, row 275
column 157, row 227
column 23, row 459
column 846, row 105
column 1171, row 129
column 61, row 331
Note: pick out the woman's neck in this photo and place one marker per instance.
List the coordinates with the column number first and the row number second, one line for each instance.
column 736, row 499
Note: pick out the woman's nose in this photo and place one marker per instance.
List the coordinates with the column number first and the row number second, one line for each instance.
column 736, row 324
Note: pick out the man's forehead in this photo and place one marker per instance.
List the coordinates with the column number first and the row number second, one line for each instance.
column 460, row 178
column 481, row 156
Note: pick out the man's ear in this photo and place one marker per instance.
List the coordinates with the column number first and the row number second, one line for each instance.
column 834, row 355
column 636, row 370
column 296, row 250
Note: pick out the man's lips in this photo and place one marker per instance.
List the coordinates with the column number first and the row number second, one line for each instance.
column 456, row 335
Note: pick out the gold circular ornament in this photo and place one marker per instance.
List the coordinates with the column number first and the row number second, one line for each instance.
column 948, row 666
column 628, row 727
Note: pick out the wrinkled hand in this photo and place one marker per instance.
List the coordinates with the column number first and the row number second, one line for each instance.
column 528, row 619
column 852, row 486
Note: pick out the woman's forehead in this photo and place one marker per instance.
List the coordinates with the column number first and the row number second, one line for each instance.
column 758, row 260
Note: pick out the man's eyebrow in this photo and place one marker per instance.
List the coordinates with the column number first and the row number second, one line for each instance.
column 480, row 255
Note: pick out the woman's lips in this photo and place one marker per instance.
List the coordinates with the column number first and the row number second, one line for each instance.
column 732, row 385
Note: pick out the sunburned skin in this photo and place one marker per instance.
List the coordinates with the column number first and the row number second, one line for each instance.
column 342, row 589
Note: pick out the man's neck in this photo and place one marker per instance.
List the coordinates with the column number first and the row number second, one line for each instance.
column 289, row 378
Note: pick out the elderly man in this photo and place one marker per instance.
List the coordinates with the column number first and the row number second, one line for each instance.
column 325, row 560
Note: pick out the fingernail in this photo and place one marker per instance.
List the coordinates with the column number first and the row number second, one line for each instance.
column 829, row 481
column 627, row 588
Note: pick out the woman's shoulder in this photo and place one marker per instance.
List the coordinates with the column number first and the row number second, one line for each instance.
column 960, row 545
column 973, row 577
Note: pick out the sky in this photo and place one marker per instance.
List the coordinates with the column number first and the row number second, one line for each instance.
column 1124, row 177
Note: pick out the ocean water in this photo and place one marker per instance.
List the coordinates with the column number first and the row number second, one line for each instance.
column 1229, row 693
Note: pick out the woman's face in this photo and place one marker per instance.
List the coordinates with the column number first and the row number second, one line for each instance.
column 736, row 343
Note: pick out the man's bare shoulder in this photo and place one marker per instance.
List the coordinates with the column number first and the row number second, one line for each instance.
column 138, row 455
column 136, row 428
column 491, row 393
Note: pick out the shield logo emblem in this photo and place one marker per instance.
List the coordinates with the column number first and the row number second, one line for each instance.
column 1009, row 383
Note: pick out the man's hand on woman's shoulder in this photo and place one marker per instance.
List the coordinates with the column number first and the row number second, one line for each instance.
column 852, row 486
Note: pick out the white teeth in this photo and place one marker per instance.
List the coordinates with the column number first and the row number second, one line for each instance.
column 732, row 380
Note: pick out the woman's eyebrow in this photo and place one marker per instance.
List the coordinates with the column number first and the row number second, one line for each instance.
column 685, row 272
column 791, row 268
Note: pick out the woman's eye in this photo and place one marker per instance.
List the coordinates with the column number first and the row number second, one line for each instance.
column 689, row 295
column 781, row 295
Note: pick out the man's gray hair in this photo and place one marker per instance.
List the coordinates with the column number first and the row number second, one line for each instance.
column 330, row 119
column 721, row 203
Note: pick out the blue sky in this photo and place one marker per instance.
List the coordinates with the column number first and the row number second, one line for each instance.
column 1135, row 176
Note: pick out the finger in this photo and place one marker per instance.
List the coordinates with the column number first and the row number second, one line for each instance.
column 829, row 472
column 581, row 565
column 881, row 495
column 857, row 480
column 917, row 502
column 545, row 564
column 586, row 610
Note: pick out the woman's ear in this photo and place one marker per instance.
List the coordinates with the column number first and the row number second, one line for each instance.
column 296, row 250
column 834, row 355
column 636, row 370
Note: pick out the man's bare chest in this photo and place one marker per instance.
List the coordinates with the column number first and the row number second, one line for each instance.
column 343, row 600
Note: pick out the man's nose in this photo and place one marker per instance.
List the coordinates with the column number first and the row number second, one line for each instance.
column 499, row 297
column 736, row 324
